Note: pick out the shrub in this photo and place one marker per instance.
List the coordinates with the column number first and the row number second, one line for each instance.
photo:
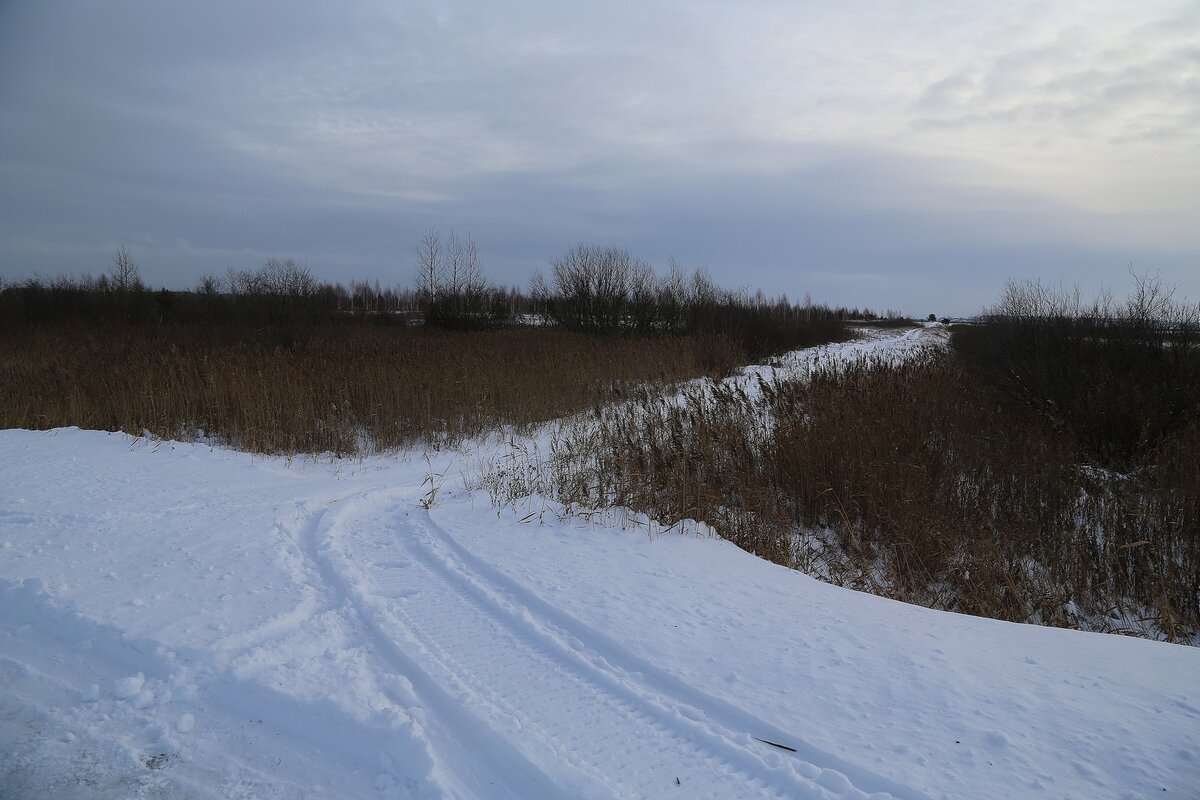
column 605, row 289
column 1121, row 377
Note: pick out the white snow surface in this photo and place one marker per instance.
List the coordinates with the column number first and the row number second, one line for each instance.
column 181, row 621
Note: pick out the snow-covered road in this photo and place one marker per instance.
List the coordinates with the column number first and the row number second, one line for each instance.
column 183, row 621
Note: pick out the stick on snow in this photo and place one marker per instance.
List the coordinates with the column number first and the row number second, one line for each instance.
column 775, row 744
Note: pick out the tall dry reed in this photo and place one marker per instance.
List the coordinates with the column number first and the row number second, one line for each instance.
column 914, row 481
column 343, row 389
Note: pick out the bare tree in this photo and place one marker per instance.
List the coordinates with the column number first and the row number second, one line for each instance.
column 450, row 287
column 602, row 288
column 472, row 275
column 208, row 285
column 429, row 265
column 124, row 275
column 232, row 281
column 454, row 267
column 286, row 278
column 704, row 293
column 642, row 311
column 471, row 299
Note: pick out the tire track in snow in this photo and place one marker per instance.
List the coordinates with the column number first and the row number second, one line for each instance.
column 589, row 726
column 471, row 760
column 294, row 528
column 512, row 598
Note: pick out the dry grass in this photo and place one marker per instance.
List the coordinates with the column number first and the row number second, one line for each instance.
column 343, row 389
column 912, row 481
column 975, row 504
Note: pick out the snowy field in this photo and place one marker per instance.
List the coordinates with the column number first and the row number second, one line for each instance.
column 182, row 621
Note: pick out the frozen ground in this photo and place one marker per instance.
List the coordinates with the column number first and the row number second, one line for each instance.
column 178, row 621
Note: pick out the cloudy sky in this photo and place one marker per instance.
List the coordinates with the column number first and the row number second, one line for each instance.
column 903, row 154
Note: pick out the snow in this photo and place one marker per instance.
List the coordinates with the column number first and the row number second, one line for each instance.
column 183, row 621
column 876, row 345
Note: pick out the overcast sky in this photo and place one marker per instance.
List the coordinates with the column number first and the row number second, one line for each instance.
column 903, row 154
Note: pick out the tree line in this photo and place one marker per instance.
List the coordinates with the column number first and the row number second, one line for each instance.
column 593, row 288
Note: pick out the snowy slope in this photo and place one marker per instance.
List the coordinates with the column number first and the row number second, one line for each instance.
column 181, row 621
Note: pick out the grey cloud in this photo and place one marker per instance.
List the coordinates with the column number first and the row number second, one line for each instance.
column 214, row 135
column 815, row 229
column 1068, row 83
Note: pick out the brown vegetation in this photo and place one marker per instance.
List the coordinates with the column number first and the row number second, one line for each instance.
column 342, row 389
column 912, row 481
